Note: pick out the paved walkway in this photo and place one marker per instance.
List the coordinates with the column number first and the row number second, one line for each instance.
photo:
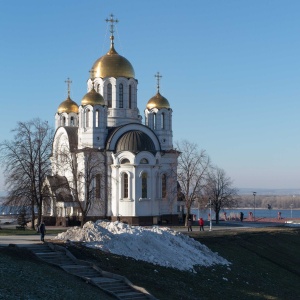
column 22, row 239
column 224, row 225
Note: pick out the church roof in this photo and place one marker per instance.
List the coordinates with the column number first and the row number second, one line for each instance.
column 92, row 98
column 135, row 141
column 60, row 187
column 112, row 65
column 158, row 101
column 68, row 106
column 72, row 133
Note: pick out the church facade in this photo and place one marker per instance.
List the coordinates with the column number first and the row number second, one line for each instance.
column 108, row 163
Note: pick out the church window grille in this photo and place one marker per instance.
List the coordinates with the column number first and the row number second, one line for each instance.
column 72, row 122
column 97, row 118
column 162, row 121
column 125, row 185
column 63, row 121
column 121, row 102
column 144, row 161
column 144, row 185
column 154, row 121
column 87, row 118
column 164, row 186
column 130, row 96
column 109, row 95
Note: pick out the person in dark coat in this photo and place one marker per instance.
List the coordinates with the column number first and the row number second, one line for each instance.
column 201, row 224
column 241, row 216
column 189, row 223
column 42, row 231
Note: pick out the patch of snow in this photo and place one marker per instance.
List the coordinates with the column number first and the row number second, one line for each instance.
column 292, row 223
column 157, row 245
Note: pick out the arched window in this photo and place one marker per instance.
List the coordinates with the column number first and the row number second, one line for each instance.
column 72, row 122
column 125, row 161
column 125, row 185
column 109, row 95
column 130, row 96
column 162, row 121
column 63, row 121
column 121, row 96
column 97, row 118
column 87, row 118
column 154, row 121
column 144, row 161
column 98, row 88
column 144, row 185
column 164, row 186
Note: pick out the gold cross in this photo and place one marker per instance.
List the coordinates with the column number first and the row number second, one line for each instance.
column 158, row 77
column 68, row 81
column 112, row 21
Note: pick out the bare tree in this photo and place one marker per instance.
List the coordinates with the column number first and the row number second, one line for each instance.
column 26, row 164
column 219, row 191
column 191, row 172
column 169, row 190
column 85, row 173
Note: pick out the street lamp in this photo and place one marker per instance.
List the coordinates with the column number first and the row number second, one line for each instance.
column 210, row 221
column 254, row 194
column 291, row 206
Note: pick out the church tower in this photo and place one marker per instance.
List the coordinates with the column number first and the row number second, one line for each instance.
column 158, row 116
column 113, row 77
column 92, row 121
column 67, row 112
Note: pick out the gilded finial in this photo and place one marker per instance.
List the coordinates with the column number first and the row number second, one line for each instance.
column 68, row 81
column 158, row 77
column 112, row 29
column 92, row 75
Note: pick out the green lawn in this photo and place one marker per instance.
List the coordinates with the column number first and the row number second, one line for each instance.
column 264, row 265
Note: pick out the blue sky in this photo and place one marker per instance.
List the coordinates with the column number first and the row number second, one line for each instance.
column 231, row 72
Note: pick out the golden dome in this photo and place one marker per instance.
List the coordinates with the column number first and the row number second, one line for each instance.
column 158, row 101
column 68, row 106
column 112, row 65
column 92, row 98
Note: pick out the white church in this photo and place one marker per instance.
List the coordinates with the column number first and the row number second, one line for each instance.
column 106, row 162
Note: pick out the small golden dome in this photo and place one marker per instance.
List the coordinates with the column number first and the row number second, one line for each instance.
column 112, row 65
column 92, row 98
column 158, row 101
column 68, row 106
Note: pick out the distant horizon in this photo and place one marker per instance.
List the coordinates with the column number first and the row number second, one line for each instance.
column 246, row 191
column 269, row 191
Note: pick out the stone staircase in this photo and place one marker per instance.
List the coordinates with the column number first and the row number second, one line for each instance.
column 113, row 284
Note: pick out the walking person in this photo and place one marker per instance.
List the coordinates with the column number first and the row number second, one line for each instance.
column 42, row 229
column 189, row 223
column 241, row 216
column 201, row 224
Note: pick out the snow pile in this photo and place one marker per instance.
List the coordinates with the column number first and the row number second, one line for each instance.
column 157, row 245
